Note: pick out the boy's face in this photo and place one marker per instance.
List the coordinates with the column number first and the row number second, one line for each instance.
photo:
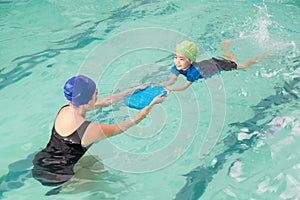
column 181, row 61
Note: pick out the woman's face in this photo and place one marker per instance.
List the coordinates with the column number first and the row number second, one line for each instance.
column 181, row 61
column 95, row 96
column 94, row 99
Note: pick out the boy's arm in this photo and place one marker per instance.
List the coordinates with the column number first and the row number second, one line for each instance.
column 183, row 87
column 169, row 82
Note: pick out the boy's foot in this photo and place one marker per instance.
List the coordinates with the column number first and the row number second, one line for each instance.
column 260, row 57
column 228, row 55
column 253, row 60
column 225, row 44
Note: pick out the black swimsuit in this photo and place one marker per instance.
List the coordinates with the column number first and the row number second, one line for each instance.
column 54, row 164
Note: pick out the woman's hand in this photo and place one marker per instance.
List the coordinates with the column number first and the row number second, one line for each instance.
column 156, row 84
column 158, row 99
column 144, row 112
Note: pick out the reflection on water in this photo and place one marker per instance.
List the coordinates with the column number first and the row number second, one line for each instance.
column 18, row 173
column 90, row 177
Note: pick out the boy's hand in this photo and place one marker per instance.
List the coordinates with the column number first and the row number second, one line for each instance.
column 168, row 91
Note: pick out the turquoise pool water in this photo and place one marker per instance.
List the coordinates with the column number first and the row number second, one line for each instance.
column 234, row 136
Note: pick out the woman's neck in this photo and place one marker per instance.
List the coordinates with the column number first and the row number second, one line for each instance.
column 80, row 110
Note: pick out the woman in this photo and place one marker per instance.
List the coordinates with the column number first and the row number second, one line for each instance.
column 72, row 134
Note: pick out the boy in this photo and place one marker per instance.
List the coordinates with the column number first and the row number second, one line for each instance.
column 185, row 57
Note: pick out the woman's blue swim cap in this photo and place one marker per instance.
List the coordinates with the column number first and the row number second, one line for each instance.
column 79, row 90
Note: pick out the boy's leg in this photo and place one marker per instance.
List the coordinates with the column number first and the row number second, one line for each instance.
column 227, row 54
column 253, row 60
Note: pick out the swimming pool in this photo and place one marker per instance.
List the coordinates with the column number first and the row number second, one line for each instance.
column 233, row 136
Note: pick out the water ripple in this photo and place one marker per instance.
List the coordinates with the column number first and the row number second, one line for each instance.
column 137, row 10
column 198, row 179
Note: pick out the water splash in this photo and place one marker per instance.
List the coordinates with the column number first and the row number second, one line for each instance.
column 268, row 34
column 257, row 27
column 262, row 23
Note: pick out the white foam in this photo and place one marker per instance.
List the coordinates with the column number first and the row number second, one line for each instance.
column 262, row 23
column 236, row 171
column 280, row 122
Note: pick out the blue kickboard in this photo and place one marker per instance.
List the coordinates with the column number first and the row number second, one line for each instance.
column 142, row 98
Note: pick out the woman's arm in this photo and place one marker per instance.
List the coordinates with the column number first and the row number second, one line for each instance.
column 97, row 131
column 117, row 97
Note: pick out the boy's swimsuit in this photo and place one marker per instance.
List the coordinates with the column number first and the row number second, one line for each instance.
column 205, row 68
column 54, row 164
